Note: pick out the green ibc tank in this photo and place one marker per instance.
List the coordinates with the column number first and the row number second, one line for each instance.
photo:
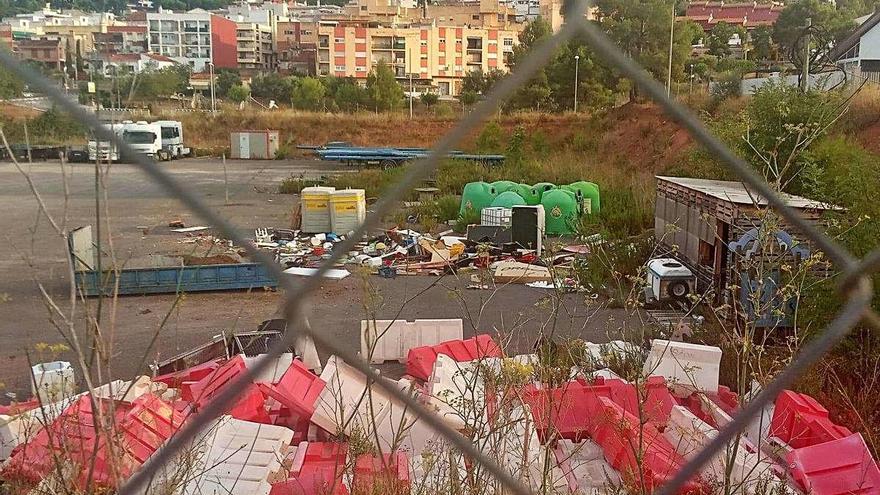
column 508, row 199
column 501, row 186
column 528, row 194
column 560, row 210
column 474, row 197
column 541, row 188
column 589, row 191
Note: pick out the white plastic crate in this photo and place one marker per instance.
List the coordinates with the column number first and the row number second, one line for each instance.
column 391, row 340
column 496, row 216
column 53, row 381
column 685, row 366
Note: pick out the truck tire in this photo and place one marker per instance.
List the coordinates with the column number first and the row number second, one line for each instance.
column 388, row 164
column 678, row 289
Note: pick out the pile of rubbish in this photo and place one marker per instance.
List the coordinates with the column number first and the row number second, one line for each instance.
column 407, row 252
column 331, row 431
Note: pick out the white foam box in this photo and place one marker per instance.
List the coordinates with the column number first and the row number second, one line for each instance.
column 53, row 381
column 685, row 366
column 394, row 338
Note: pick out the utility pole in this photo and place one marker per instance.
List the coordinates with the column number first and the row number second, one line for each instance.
column 805, row 82
column 671, row 37
column 577, row 59
column 211, row 71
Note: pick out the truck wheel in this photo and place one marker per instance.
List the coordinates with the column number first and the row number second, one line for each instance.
column 678, row 289
column 388, row 164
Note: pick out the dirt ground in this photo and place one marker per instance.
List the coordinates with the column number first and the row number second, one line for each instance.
column 137, row 330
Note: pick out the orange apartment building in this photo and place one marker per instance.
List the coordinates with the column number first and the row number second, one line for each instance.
column 438, row 57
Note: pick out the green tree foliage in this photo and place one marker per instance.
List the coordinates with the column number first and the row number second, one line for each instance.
column 829, row 25
column 429, row 99
column 468, row 97
column 308, row 94
column 10, row 85
column 154, row 83
column 272, row 86
column 762, row 43
column 718, row 39
column 384, row 91
column 641, row 29
column 345, row 94
column 225, row 79
column 238, row 93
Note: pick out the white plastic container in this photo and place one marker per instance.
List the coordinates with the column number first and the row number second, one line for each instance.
column 496, row 216
column 348, row 209
column 53, row 381
column 316, row 209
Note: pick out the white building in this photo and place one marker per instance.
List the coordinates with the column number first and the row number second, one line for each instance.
column 859, row 53
column 131, row 63
column 196, row 38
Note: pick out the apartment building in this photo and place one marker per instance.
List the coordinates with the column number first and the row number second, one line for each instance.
column 466, row 13
column 437, row 57
column 256, row 46
column 122, row 39
column 50, row 52
column 195, row 38
column 296, row 44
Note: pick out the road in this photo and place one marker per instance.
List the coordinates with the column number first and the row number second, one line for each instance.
column 136, row 330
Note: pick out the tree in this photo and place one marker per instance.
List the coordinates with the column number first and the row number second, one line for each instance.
column 535, row 94
column 641, row 29
column 10, row 85
column 429, row 99
column 350, row 96
column 829, row 25
column 718, row 40
column 272, row 86
column 308, row 94
column 225, row 79
column 762, row 43
column 384, row 91
column 238, row 93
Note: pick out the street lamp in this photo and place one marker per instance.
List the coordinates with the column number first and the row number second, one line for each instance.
column 577, row 59
column 211, row 72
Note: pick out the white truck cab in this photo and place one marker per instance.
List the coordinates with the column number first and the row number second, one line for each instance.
column 144, row 137
column 172, row 138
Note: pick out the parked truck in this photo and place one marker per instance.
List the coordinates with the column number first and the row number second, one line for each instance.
column 161, row 140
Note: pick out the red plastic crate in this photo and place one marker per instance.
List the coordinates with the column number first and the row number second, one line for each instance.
column 420, row 360
column 838, row 467
column 559, row 412
column 386, row 474
column 193, row 374
column 140, row 427
column 618, row 433
column 801, row 421
column 203, row 390
column 297, row 391
column 316, row 470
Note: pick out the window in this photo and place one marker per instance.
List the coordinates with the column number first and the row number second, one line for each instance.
column 170, row 132
column 508, row 41
column 306, row 32
column 361, row 69
column 339, row 40
column 424, row 43
column 139, row 137
column 475, row 17
column 340, row 68
column 442, row 40
column 363, row 7
column 288, row 31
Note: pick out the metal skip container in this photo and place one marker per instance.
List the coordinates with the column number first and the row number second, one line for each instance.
column 253, row 145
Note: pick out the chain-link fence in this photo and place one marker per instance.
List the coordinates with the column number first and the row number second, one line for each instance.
column 855, row 283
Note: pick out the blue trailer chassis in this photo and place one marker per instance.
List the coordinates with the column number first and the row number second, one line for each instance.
column 176, row 279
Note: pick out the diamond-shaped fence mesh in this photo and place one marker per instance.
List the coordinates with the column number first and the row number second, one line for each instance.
column 855, row 274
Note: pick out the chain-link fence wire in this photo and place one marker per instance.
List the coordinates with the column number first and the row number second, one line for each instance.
column 855, row 278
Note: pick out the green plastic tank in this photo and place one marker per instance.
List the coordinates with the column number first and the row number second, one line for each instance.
column 542, row 187
column 501, row 186
column 474, row 197
column 590, row 191
column 508, row 199
column 560, row 210
column 528, row 193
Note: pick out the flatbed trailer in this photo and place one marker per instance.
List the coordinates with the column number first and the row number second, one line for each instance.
column 390, row 157
column 159, row 280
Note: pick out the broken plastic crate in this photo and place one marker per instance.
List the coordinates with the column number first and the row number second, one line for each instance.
column 386, row 474
column 297, row 392
column 800, row 421
column 584, row 466
column 559, row 412
column 391, row 340
column 316, row 469
column 139, row 429
column 238, row 458
column 838, row 467
column 420, row 360
column 644, row 458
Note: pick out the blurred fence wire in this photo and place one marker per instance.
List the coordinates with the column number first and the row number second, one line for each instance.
column 855, row 280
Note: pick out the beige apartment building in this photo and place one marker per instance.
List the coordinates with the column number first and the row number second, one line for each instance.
column 437, row 57
column 256, row 46
column 466, row 13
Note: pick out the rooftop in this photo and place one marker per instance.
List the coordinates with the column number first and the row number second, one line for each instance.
column 736, row 192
